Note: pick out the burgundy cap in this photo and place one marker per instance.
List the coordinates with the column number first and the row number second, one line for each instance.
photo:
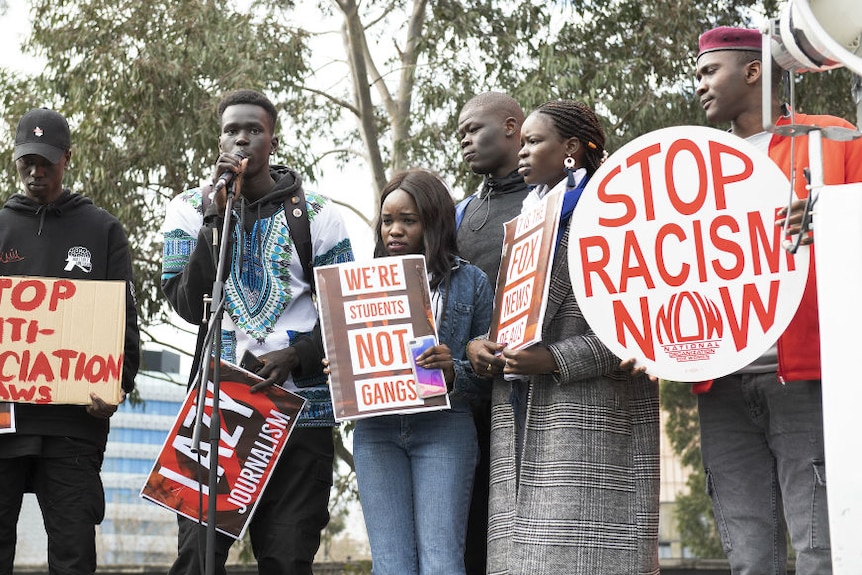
column 727, row 38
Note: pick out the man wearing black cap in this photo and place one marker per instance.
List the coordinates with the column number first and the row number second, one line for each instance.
column 762, row 427
column 56, row 450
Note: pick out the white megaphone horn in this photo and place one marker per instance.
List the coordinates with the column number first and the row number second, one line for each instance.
column 819, row 35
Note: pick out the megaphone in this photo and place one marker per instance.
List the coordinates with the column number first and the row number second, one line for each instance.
column 819, row 35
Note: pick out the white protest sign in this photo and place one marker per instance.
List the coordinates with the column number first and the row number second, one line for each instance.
column 675, row 258
column 369, row 312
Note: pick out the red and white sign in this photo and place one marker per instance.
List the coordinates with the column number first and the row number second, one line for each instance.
column 369, row 311
column 254, row 428
column 675, row 258
column 529, row 244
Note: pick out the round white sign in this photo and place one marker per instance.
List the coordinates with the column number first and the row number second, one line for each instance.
column 675, row 258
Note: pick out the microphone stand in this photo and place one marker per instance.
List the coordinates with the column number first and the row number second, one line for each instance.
column 212, row 351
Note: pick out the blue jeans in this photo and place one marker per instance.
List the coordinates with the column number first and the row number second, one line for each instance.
column 762, row 446
column 415, row 476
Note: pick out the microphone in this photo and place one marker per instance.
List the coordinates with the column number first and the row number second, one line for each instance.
column 227, row 176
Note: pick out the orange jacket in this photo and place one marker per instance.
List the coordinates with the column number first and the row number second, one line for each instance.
column 799, row 345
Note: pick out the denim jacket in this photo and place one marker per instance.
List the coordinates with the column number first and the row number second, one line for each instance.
column 467, row 315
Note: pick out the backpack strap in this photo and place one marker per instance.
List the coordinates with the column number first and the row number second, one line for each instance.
column 296, row 213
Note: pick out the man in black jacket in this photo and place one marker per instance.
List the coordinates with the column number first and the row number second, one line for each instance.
column 56, row 450
column 489, row 128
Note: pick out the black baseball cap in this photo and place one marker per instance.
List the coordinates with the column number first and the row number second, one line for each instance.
column 43, row 132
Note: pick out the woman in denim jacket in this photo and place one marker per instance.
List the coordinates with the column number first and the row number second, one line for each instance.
column 415, row 472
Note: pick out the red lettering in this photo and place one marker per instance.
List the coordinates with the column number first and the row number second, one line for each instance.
column 19, row 294
column 14, row 392
column 41, row 367
column 357, row 278
column 66, row 356
column 24, row 365
column 22, row 393
column 62, row 289
column 380, row 347
column 759, row 236
column 95, row 370
column 624, row 322
column 388, row 275
column 14, row 324
column 719, row 179
column 365, row 351
column 666, row 276
column 669, row 319
column 113, row 368
column 685, row 208
column 609, row 198
column 698, row 250
column 389, row 391
column 3, row 357
column 642, row 157
column 4, row 283
column 728, row 246
column 598, row 266
column 80, row 366
column 631, row 249
column 750, row 300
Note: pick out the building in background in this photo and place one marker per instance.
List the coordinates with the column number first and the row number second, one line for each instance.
column 136, row 531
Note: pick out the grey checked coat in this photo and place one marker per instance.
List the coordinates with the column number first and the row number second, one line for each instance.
column 584, row 498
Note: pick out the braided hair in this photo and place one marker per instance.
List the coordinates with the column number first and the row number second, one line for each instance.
column 574, row 119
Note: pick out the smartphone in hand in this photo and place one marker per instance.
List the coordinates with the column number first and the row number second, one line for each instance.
column 429, row 382
column 250, row 362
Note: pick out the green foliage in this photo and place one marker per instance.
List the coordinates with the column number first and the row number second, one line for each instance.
column 695, row 520
column 140, row 94
column 682, row 426
column 693, row 510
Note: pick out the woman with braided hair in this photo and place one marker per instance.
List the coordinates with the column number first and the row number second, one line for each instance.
column 574, row 438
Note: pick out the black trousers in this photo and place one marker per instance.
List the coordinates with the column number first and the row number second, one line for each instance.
column 476, row 549
column 70, row 494
column 291, row 513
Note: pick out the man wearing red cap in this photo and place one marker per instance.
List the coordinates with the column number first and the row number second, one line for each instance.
column 762, row 427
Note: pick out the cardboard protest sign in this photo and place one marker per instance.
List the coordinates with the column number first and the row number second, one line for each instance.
column 520, row 299
column 61, row 339
column 368, row 312
column 675, row 258
column 254, row 428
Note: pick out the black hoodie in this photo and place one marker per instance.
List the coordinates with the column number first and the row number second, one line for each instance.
column 37, row 240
